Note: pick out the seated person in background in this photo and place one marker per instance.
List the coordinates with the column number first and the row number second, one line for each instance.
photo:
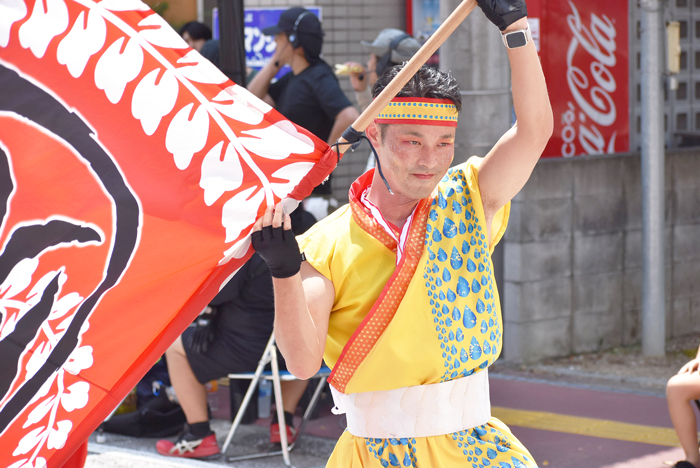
column 309, row 95
column 681, row 390
column 199, row 37
column 245, row 314
column 196, row 34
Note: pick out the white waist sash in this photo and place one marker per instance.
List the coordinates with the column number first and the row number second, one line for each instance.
column 418, row 411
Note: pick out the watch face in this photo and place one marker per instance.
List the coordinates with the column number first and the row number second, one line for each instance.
column 516, row 39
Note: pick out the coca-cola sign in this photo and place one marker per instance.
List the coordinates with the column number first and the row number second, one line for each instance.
column 584, row 52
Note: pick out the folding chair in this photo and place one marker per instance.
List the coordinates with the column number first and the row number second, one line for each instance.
column 270, row 356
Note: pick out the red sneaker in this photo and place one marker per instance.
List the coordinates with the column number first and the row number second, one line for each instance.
column 275, row 436
column 183, row 448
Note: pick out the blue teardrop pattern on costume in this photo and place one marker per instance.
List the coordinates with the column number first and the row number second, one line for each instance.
column 458, row 291
column 441, row 202
column 462, row 287
column 393, row 452
column 476, row 286
column 446, row 276
column 474, row 349
column 451, row 296
column 469, row 318
column 449, row 229
column 456, row 260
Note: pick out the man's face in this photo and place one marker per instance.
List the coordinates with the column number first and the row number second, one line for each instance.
column 414, row 157
column 196, row 44
column 284, row 50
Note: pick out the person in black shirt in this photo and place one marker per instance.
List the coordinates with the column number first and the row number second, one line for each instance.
column 309, row 95
column 244, row 316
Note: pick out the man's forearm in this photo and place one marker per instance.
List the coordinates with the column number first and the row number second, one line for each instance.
column 343, row 120
column 260, row 84
column 296, row 333
column 530, row 97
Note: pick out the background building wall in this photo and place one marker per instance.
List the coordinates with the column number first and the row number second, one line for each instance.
column 573, row 260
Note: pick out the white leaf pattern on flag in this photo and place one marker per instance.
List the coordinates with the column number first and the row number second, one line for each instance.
column 240, row 212
column 237, row 109
column 115, row 69
column 38, row 413
column 19, row 278
column 62, row 306
column 200, row 70
column 220, row 176
column 162, row 35
column 82, row 42
column 291, row 173
column 58, row 437
column 152, row 101
column 77, row 396
column 43, row 26
column 124, row 5
column 11, row 11
column 186, row 137
column 37, row 359
column 277, row 141
column 79, row 360
column 29, row 441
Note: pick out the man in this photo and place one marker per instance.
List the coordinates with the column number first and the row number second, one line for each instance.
column 196, row 34
column 239, row 332
column 397, row 294
column 309, row 95
column 390, row 47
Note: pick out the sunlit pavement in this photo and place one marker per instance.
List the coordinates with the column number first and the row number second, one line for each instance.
column 563, row 426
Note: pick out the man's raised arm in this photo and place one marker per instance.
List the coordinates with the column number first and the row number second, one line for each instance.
column 303, row 297
column 510, row 162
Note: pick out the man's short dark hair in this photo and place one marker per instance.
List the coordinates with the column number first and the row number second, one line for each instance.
column 196, row 30
column 428, row 82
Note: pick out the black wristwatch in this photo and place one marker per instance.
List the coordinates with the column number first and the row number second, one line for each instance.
column 519, row 38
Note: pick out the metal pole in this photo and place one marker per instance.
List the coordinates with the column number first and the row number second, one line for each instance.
column 653, row 264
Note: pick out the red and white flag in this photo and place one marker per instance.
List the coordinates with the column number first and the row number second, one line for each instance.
column 131, row 172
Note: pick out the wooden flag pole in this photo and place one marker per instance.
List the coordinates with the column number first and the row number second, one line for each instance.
column 424, row 53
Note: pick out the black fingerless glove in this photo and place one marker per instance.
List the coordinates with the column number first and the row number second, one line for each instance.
column 279, row 249
column 503, row 13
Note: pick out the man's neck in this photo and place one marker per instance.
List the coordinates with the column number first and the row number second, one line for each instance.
column 395, row 208
column 299, row 64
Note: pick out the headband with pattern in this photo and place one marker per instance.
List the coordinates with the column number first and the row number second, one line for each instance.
column 421, row 111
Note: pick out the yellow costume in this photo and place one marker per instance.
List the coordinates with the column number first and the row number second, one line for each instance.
column 431, row 318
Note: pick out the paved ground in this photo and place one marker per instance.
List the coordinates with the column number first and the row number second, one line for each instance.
column 567, row 414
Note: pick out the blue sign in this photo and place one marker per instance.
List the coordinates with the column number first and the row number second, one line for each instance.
column 259, row 48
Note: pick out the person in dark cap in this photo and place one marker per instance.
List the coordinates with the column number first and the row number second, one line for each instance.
column 309, row 95
column 390, row 47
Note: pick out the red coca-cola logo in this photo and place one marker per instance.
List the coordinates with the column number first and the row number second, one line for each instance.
column 592, row 107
